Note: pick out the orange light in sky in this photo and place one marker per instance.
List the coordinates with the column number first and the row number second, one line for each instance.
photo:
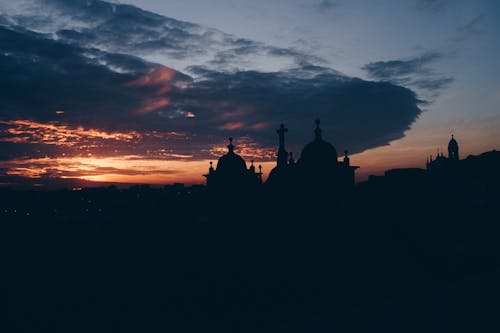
column 123, row 169
column 57, row 134
column 154, row 104
column 158, row 76
column 232, row 126
column 159, row 82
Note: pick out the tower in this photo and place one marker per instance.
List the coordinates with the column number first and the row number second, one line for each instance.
column 453, row 149
column 282, row 154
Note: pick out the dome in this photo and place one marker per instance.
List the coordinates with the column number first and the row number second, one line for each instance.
column 318, row 151
column 452, row 144
column 231, row 163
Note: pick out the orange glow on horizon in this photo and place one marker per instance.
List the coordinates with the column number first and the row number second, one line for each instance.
column 120, row 169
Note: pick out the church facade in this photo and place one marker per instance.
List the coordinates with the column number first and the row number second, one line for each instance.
column 317, row 168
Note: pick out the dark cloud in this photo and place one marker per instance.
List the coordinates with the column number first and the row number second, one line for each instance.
column 90, row 68
column 415, row 72
column 356, row 114
column 385, row 70
column 40, row 76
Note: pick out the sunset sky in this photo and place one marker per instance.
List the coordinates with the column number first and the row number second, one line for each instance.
column 148, row 91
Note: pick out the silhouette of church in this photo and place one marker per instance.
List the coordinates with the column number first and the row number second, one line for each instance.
column 444, row 164
column 232, row 174
column 317, row 169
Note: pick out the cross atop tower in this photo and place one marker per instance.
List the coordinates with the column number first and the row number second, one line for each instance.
column 230, row 146
column 281, row 132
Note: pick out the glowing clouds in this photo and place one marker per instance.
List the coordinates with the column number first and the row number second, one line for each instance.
column 248, row 148
column 158, row 82
column 232, row 126
column 159, row 76
column 124, row 169
column 154, row 104
column 26, row 131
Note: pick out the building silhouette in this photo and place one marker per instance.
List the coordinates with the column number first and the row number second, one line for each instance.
column 231, row 173
column 317, row 169
column 442, row 164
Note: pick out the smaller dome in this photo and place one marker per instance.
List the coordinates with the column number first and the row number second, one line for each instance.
column 231, row 163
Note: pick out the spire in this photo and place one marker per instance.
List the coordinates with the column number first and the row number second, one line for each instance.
column 281, row 132
column 318, row 131
column 211, row 169
column 453, row 149
column 346, row 157
column 282, row 154
column 230, row 147
column 252, row 167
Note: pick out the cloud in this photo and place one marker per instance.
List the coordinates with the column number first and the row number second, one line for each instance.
column 414, row 72
column 472, row 28
column 125, row 29
column 94, row 63
column 324, row 5
column 431, row 6
column 253, row 102
column 397, row 68
column 53, row 134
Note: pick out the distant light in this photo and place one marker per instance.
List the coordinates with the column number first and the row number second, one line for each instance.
column 59, row 112
column 190, row 115
column 76, row 189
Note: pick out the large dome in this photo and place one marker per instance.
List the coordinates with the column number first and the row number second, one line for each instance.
column 318, row 152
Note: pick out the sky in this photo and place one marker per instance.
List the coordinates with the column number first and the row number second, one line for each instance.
column 148, row 91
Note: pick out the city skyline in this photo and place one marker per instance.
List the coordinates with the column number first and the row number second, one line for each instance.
column 105, row 91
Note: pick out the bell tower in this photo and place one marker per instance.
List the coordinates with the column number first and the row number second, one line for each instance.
column 453, row 149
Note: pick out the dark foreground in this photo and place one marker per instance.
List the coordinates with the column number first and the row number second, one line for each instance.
column 152, row 261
